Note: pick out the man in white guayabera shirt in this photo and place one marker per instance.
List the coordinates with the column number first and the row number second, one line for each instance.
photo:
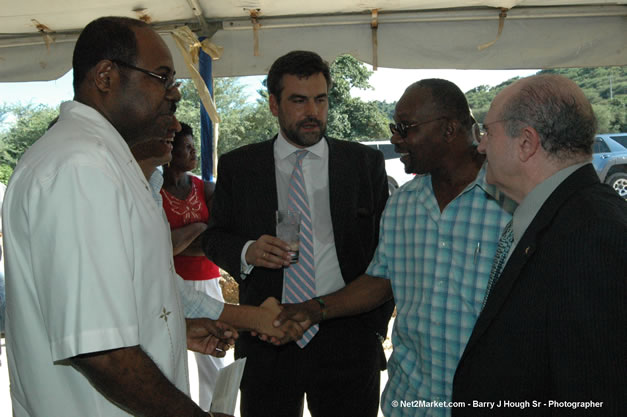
column 95, row 325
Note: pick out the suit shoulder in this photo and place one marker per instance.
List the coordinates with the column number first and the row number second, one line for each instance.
column 246, row 151
column 597, row 204
column 355, row 148
column 600, row 199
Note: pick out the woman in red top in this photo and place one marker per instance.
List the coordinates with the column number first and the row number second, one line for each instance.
column 186, row 201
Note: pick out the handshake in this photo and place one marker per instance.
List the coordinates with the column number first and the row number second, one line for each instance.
column 279, row 324
column 272, row 322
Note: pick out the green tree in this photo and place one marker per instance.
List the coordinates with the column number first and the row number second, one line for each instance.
column 245, row 122
column 351, row 118
column 605, row 87
column 31, row 122
column 386, row 108
column 5, row 173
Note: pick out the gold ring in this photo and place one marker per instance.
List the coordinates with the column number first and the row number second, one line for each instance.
column 264, row 255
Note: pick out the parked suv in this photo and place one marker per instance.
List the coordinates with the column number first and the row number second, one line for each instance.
column 610, row 160
column 393, row 165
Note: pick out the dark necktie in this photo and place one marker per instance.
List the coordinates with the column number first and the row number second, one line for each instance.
column 502, row 249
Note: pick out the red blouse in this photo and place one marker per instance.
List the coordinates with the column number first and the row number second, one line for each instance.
column 183, row 212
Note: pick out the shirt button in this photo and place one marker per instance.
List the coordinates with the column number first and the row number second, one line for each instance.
column 442, row 244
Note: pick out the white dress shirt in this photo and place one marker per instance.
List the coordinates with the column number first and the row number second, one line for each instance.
column 316, row 173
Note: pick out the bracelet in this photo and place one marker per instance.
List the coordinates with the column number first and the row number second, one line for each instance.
column 323, row 307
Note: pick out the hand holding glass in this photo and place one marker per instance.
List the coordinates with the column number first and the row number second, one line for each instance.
column 288, row 230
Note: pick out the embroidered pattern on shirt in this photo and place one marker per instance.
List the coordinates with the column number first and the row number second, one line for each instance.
column 189, row 208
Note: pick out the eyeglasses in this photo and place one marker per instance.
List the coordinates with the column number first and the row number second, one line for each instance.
column 480, row 130
column 168, row 81
column 402, row 128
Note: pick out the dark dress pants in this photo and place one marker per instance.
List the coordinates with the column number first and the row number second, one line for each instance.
column 339, row 371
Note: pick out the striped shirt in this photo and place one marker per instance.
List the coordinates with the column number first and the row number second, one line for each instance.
column 439, row 265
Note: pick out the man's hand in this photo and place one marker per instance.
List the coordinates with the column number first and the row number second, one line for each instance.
column 209, row 337
column 305, row 314
column 268, row 252
column 277, row 335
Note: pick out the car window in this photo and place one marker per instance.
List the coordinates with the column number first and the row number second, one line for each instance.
column 621, row 139
column 388, row 151
column 600, row 146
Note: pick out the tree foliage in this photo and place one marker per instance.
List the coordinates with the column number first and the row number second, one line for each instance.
column 247, row 121
column 605, row 87
column 350, row 118
column 30, row 123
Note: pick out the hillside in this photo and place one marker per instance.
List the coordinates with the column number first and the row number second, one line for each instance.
column 605, row 87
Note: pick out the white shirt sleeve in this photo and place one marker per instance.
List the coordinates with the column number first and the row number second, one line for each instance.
column 198, row 304
column 245, row 269
column 82, row 240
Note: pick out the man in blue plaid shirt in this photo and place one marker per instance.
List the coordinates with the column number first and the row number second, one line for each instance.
column 438, row 237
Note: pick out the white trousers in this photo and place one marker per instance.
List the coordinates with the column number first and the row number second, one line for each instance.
column 208, row 366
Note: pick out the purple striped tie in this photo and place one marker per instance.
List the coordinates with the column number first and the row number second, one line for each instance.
column 299, row 282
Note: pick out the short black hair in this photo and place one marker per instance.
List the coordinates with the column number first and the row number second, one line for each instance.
column 448, row 99
column 300, row 63
column 185, row 130
column 109, row 37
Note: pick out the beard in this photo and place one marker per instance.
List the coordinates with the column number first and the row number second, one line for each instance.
column 297, row 136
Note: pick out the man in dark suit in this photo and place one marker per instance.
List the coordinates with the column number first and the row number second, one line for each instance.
column 551, row 338
column 346, row 190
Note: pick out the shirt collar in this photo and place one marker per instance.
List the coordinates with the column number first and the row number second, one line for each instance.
column 480, row 181
column 533, row 201
column 284, row 149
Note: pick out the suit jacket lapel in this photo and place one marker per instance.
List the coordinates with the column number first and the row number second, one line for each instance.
column 339, row 185
column 266, row 193
column 526, row 247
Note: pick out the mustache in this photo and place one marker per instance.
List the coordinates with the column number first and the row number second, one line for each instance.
column 173, row 108
column 310, row 120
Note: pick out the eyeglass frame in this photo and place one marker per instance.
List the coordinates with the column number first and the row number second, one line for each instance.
column 479, row 131
column 403, row 128
column 164, row 79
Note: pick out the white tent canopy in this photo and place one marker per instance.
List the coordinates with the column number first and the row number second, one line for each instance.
column 37, row 36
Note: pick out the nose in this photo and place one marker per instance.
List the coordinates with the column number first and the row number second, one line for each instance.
column 311, row 108
column 176, row 125
column 482, row 146
column 173, row 94
column 396, row 139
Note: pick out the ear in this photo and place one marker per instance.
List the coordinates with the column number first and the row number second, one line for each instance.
column 528, row 143
column 450, row 130
column 103, row 73
column 274, row 105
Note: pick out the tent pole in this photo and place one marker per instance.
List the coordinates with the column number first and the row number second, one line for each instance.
column 206, row 126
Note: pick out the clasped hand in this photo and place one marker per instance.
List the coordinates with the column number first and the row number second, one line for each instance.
column 210, row 337
column 292, row 319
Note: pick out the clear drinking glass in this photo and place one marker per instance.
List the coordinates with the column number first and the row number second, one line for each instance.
column 288, row 230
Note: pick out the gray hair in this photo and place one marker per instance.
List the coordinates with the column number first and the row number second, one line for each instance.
column 558, row 110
